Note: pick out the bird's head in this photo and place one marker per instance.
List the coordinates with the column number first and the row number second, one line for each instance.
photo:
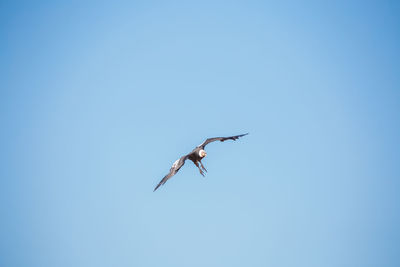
column 202, row 153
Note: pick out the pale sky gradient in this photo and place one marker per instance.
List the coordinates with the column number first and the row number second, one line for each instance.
column 98, row 99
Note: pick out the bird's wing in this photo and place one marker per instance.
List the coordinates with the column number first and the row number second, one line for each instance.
column 174, row 169
column 222, row 139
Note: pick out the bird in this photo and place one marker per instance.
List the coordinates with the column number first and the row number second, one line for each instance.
column 197, row 154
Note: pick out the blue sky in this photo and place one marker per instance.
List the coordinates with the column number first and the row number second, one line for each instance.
column 98, row 99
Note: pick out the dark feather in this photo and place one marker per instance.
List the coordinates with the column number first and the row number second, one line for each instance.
column 174, row 169
column 222, row 139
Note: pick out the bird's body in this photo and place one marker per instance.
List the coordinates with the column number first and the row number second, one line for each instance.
column 197, row 154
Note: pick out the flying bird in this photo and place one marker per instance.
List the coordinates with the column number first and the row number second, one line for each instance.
column 196, row 156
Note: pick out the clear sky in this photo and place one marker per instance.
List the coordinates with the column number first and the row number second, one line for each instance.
column 99, row 98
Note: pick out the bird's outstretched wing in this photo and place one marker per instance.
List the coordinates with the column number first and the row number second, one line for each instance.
column 222, row 139
column 174, row 169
